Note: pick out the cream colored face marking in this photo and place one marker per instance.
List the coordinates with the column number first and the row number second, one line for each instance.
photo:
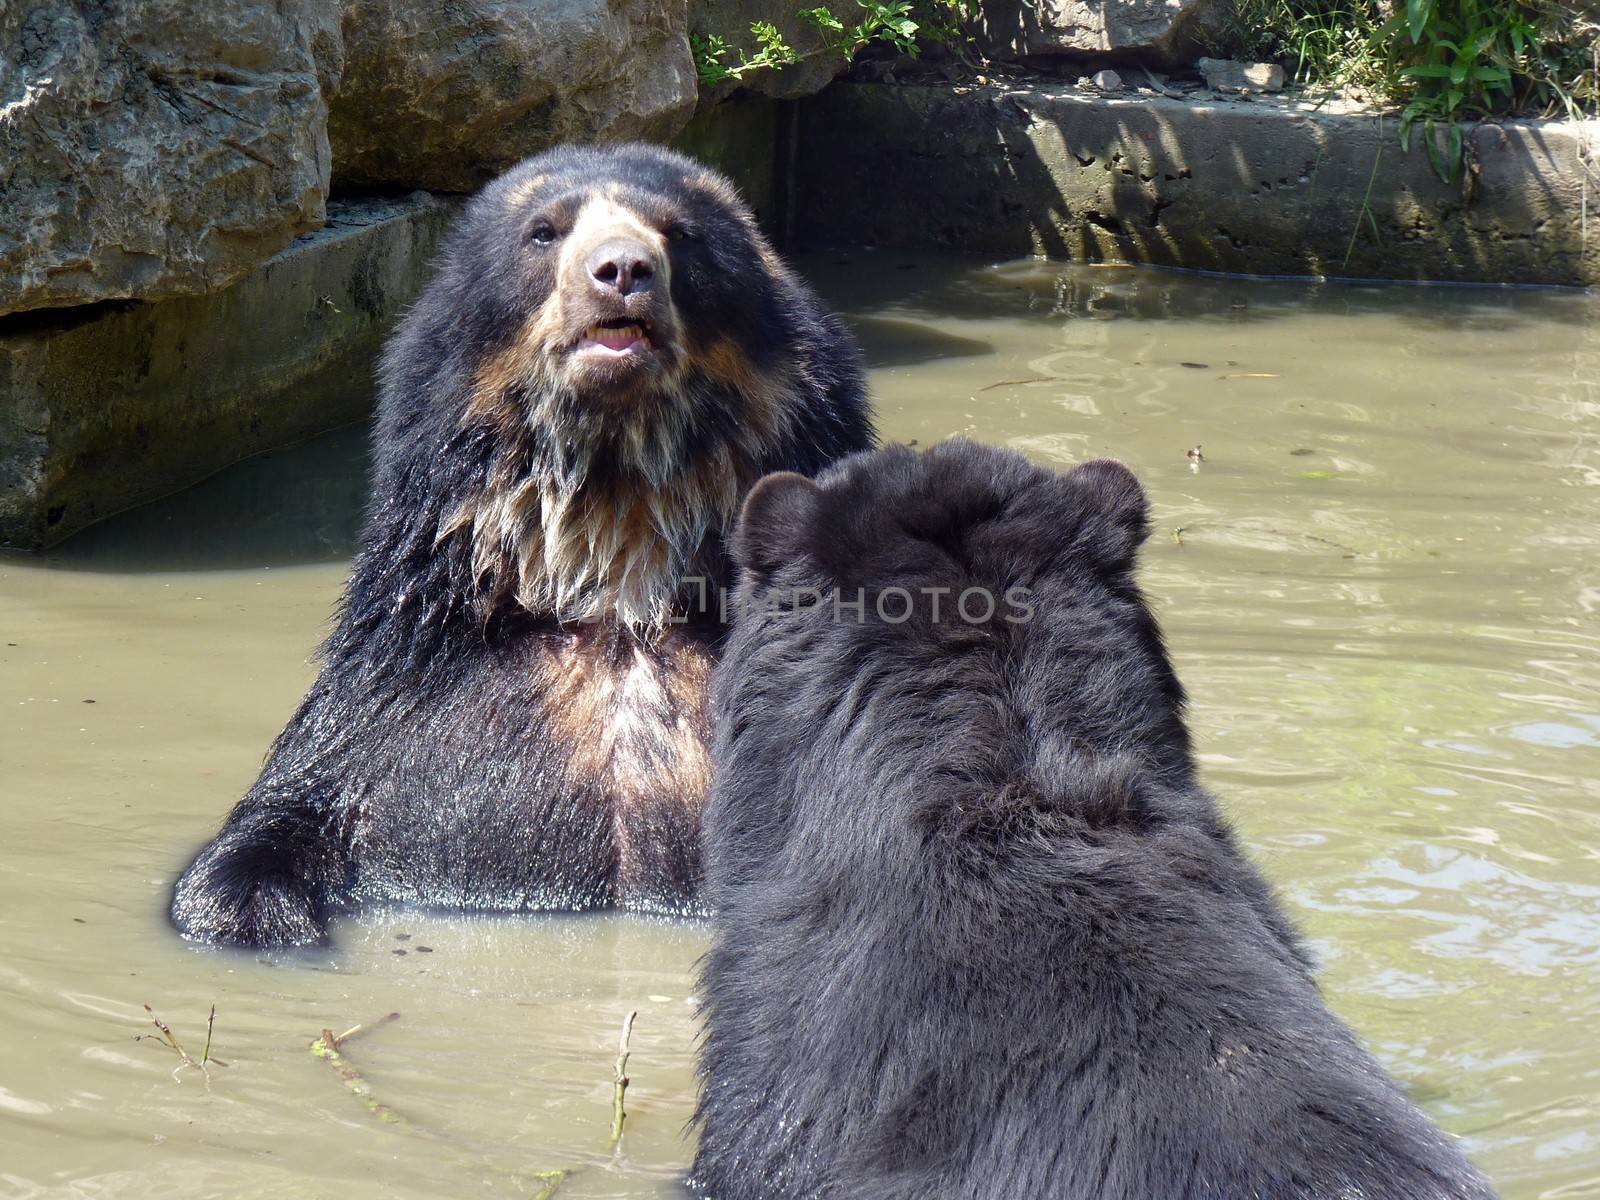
column 600, row 218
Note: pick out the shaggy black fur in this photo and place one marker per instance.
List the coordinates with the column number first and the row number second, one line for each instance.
column 979, row 933
column 458, row 748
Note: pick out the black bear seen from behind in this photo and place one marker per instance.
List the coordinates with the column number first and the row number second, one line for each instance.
column 979, row 933
column 510, row 712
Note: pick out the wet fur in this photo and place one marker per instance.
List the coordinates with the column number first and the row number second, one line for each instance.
column 979, row 933
column 510, row 711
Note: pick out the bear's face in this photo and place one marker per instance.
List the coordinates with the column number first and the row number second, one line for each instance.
column 616, row 350
column 618, row 270
column 923, row 584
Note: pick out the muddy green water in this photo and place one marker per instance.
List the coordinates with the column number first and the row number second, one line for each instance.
column 1381, row 588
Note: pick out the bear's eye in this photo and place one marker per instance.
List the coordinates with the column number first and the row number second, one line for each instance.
column 678, row 232
column 542, row 232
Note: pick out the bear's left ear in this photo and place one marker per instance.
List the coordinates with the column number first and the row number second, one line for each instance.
column 1115, row 510
column 774, row 522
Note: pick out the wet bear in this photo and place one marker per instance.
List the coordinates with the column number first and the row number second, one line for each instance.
column 979, row 933
column 511, row 710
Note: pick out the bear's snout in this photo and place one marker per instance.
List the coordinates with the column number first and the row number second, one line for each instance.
column 622, row 265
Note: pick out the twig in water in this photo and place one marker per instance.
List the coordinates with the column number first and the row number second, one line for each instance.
column 619, row 1081
column 211, row 1023
column 170, row 1039
column 357, row 1029
column 327, row 1048
column 1005, row 383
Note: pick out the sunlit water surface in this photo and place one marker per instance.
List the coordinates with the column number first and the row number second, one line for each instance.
column 1380, row 586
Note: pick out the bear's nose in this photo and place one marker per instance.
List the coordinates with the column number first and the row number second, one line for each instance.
column 622, row 265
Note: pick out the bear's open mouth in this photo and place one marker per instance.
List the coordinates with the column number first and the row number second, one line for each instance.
column 618, row 336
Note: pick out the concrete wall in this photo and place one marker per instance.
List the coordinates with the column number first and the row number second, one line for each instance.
column 1265, row 187
column 107, row 407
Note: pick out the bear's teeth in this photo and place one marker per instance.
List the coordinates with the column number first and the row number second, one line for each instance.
column 617, row 338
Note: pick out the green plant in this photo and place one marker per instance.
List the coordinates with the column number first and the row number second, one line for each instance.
column 711, row 54
column 1442, row 61
column 1321, row 43
column 1466, row 58
column 892, row 24
column 905, row 26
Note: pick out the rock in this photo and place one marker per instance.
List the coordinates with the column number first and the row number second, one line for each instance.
column 1226, row 75
column 446, row 96
column 155, row 148
column 819, row 63
column 104, row 408
column 1107, row 81
column 1166, row 32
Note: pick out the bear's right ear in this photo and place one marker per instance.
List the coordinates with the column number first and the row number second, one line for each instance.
column 774, row 522
column 1120, row 511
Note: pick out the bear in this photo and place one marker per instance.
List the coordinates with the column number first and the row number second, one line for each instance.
column 511, row 710
column 977, row 930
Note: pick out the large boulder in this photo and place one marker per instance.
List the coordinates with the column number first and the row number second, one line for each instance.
column 155, row 148
column 446, row 96
column 1161, row 32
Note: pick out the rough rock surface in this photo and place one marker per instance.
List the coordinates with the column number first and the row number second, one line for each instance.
column 446, row 96
column 105, row 408
column 1158, row 31
column 156, row 148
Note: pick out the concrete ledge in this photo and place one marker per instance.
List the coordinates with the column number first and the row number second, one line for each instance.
column 111, row 406
column 1266, row 187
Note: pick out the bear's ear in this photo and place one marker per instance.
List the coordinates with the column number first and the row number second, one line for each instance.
column 1116, row 513
column 774, row 522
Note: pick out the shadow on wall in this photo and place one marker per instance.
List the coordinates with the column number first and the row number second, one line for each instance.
column 1261, row 188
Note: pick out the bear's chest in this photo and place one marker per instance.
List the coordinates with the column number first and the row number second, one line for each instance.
column 632, row 715
column 633, row 724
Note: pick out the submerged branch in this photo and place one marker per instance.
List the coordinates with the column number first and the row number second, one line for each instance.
column 619, row 1080
column 327, row 1047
